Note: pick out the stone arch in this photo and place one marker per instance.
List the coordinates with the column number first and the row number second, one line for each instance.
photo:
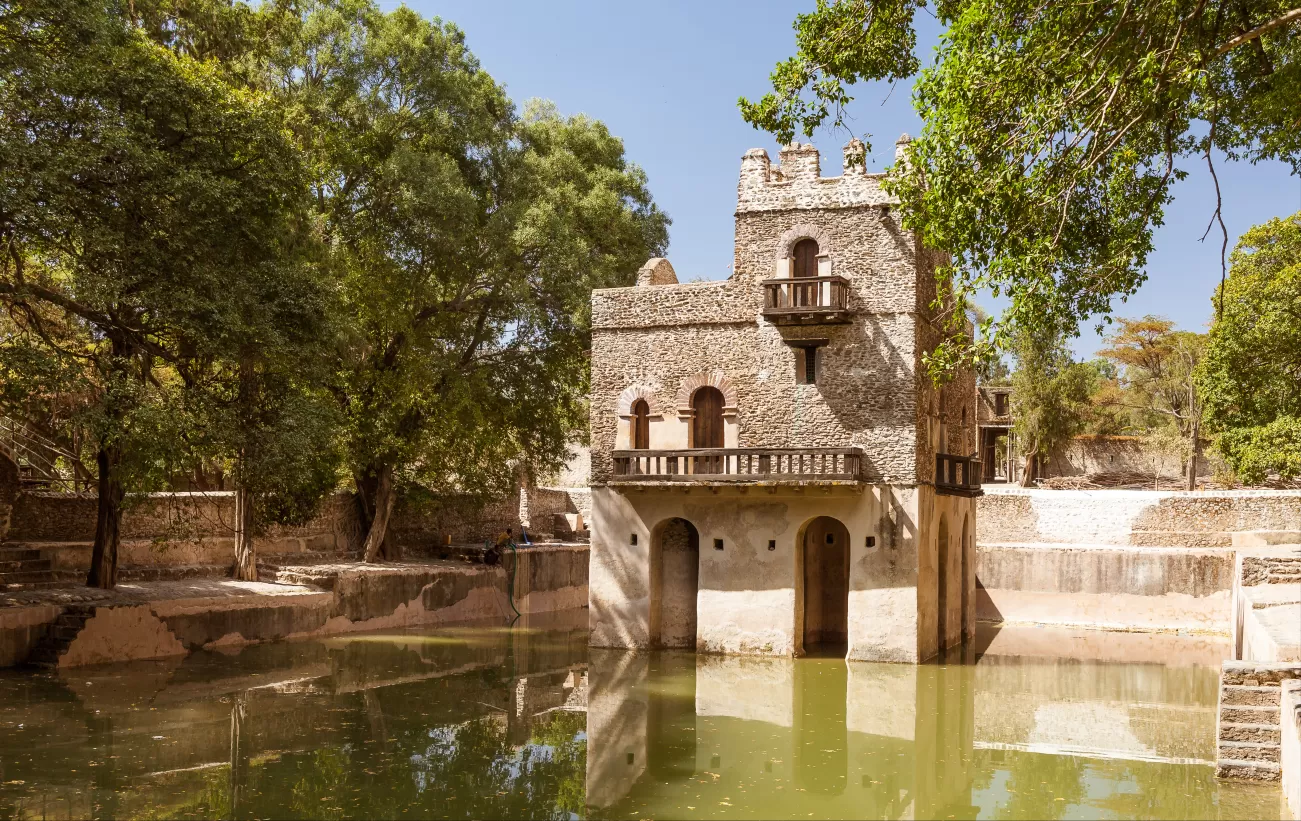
column 674, row 583
column 804, row 230
column 967, row 551
column 822, row 555
column 623, row 407
column 713, row 379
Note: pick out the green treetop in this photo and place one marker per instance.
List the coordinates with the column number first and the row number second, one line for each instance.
column 1250, row 379
column 1053, row 132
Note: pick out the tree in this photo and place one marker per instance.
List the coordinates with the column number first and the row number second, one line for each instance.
column 1157, row 364
column 142, row 187
column 1053, row 132
column 467, row 241
column 1251, row 376
column 1050, row 395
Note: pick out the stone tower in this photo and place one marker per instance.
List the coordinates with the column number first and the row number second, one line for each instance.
column 773, row 470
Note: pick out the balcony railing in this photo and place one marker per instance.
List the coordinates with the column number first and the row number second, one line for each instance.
column 740, row 465
column 957, row 475
column 806, row 300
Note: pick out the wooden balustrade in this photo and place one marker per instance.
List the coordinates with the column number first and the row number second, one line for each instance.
column 739, row 465
column 806, row 300
column 957, row 475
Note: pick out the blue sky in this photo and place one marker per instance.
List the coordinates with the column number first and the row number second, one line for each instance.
column 665, row 77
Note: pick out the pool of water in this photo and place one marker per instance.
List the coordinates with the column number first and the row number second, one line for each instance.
column 490, row 722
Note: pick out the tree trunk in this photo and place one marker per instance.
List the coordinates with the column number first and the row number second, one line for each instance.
column 1197, row 451
column 376, row 542
column 108, row 520
column 245, row 555
column 1031, row 470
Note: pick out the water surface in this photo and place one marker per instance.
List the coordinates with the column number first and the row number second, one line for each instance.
column 489, row 722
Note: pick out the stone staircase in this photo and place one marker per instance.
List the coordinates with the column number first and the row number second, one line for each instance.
column 60, row 636
column 1249, row 736
column 24, row 567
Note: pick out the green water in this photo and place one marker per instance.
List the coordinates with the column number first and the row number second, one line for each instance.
column 495, row 723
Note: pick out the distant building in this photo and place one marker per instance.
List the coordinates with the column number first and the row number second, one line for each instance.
column 773, row 471
column 997, row 452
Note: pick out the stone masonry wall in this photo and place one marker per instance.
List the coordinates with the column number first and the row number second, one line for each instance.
column 871, row 391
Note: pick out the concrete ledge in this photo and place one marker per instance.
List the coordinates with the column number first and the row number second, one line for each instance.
column 159, row 619
column 1106, row 586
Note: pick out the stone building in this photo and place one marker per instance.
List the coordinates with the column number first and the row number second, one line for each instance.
column 773, row 471
column 998, row 460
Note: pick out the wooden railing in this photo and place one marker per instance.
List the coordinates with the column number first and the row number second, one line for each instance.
column 805, row 295
column 957, row 474
column 739, row 465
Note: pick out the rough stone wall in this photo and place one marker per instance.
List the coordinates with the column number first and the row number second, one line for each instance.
column 1104, row 454
column 870, row 392
column 1133, row 517
column 986, row 412
column 195, row 528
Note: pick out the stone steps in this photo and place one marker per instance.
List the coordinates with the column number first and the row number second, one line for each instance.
column 1249, row 714
column 1250, row 751
column 1249, row 735
column 1248, row 770
column 59, row 638
column 1240, row 695
column 24, row 567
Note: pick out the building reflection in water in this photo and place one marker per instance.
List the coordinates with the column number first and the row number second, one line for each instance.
column 1014, row 734
column 885, row 741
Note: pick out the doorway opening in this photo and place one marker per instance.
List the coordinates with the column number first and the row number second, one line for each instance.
column 675, row 580
column 824, row 599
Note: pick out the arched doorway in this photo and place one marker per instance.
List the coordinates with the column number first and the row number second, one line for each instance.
column 640, row 424
column 675, row 579
column 942, row 584
column 824, row 573
column 707, row 427
column 804, row 264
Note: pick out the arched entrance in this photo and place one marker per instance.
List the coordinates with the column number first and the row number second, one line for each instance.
column 942, row 585
column 707, row 427
column 824, row 599
column 675, row 579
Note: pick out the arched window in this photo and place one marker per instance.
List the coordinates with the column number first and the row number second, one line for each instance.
column 707, row 424
column 805, row 255
column 640, row 424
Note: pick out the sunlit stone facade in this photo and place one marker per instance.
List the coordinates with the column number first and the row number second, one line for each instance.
column 764, row 448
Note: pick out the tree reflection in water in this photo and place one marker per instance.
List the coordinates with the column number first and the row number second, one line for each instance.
column 491, row 724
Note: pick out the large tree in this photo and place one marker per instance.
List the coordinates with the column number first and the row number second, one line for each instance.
column 1251, row 376
column 1155, row 381
column 1053, row 132
column 147, row 197
column 1050, row 394
column 466, row 239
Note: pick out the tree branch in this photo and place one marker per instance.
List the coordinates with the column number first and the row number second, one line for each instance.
column 1282, row 20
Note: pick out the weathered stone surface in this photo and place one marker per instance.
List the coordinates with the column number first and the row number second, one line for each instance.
column 660, row 344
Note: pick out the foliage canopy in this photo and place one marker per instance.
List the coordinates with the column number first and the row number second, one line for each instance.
column 1053, row 131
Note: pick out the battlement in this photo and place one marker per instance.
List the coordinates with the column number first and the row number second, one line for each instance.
column 796, row 182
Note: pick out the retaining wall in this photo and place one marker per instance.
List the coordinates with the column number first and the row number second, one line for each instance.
column 175, row 618
column 188, row 529
column 1130, row 560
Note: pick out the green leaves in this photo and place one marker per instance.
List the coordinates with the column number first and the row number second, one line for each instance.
column 1053, row 134
column 1251, row 376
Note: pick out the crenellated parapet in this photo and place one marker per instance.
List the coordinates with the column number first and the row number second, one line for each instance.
column 796, row 182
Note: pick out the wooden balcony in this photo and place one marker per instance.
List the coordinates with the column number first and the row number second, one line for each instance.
column 806, row 300
column 957, row 475
column 740, row 465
